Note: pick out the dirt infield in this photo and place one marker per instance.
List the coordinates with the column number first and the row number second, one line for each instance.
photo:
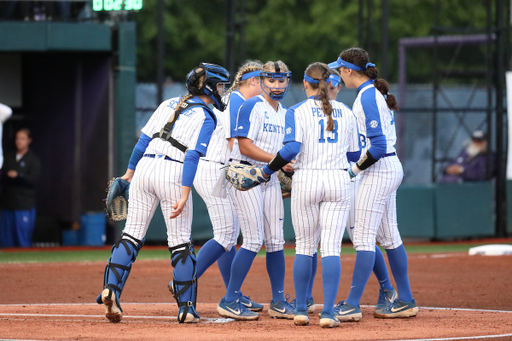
column 54, row 301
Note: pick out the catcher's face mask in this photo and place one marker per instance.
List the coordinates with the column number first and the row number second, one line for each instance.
column 276, row 84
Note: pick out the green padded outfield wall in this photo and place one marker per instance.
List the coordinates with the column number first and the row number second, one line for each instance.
column 415, row 211
column 464, row 210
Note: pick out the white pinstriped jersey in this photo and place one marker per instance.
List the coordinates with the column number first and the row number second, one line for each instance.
column 321, row 149
column 370, row 101
column 187, row 130
column 258, row 121
column 218, row 150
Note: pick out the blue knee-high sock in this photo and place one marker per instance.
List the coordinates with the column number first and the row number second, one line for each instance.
column 362, row 271
column 185, row 272
column 224, row 263
column 381, row 270
column 313, row 274
column 399, row 267
column 239, row 270
column 276, row 271
column 302, row 270
column 331, row 272
column 207, row 255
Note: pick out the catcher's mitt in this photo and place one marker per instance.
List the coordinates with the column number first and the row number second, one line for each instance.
column 117, row 199
column 244, row 177
column 285, row 179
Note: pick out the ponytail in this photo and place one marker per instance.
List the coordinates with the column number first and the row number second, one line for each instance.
column 360, row 57
column 318, row 73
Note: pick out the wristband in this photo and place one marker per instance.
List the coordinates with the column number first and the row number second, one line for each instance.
column 351, row 173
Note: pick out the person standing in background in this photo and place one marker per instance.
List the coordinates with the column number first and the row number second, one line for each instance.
column 20, row 173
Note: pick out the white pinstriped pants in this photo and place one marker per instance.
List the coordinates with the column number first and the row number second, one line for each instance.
column 155, row 181
column 376, row 206
column 320, row 207
column 351, row 222
column 260, row 214
column 221, row 211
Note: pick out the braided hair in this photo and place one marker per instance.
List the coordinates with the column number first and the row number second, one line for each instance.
column 320, row 72
column 360, row 57
column 194, row 89
column 249, row 66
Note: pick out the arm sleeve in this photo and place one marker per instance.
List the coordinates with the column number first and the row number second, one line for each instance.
column 138, row 151
column 287, row 153
column 190, row 168
column 354, row 156
column 205, row 135
column 378, row 147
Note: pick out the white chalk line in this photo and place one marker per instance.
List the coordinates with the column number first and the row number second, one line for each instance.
column 265, row 304
column 126, row 319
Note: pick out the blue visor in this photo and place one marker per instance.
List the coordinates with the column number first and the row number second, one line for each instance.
column 340, row 62
column 250, row 75
column 334, row 80
column 311, row 80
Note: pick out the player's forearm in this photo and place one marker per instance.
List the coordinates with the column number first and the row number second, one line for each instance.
column 249, row 149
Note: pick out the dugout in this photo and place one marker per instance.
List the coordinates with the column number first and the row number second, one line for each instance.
column 73, row 85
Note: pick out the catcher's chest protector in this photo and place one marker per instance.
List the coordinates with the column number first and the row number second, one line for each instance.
column 166, row 131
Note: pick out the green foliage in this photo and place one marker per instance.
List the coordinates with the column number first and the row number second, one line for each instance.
column 300, row 32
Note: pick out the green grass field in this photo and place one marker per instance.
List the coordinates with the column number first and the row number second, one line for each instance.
column 103, row 255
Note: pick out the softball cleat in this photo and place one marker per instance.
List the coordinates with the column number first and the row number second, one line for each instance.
column 398, row 309
column 301, row 317
column 113, row 310
column 328, row 320
column 386, row 297
column 347, row 313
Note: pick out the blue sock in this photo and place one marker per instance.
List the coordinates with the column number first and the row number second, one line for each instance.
column 399, row 267
column 381, row 270
column 224, row 263
column 362, row 271
column 239, row 270
column 313, row 274
column 301, row 278
column 207, row 255
column 276, row 271
column 331, row 272
column 185, row 272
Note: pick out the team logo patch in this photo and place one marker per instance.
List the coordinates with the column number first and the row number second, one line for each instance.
column 289, row 130
column 374, row 124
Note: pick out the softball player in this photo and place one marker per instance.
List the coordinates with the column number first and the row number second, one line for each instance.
column 376, row 194
column 165, row 159
column 322, row 133
column 387, row 293
column 222, row 213
column 260, row 133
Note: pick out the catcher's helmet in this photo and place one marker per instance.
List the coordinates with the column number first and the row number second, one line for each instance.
column 216, row 76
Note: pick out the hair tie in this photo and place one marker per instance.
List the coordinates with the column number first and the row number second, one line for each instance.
column 368, row 65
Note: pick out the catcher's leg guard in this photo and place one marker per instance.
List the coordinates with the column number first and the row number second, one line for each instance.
column 117, row 270
column 184, row 283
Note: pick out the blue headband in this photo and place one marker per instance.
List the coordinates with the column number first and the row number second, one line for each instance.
column 334, row 79
column 310, row 80
column 248, row 75
column 340, row 62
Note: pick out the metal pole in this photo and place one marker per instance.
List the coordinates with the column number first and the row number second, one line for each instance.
column 369, row 22
column 383, row 67
column 501, row 152
column 230, row 36
column 435, row 83
column 241, row 57
column 160, row 53
column 360, row 24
